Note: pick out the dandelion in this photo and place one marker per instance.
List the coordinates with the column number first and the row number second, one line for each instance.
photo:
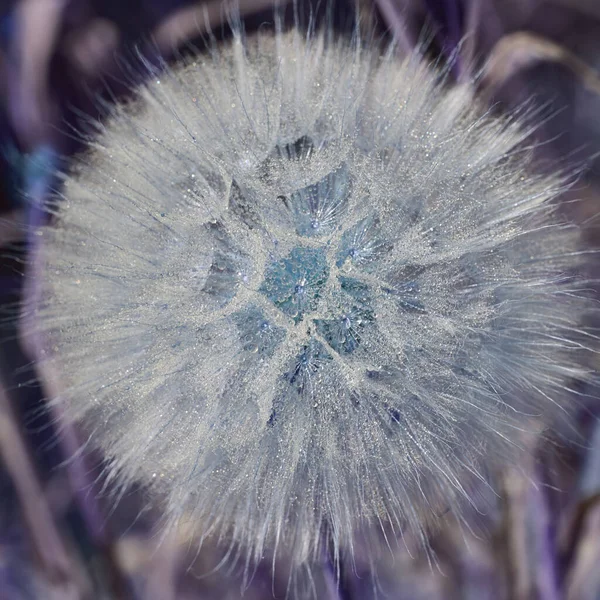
column 302, row 288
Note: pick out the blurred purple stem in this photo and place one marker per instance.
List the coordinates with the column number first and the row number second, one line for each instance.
column 447, row 16
column 393, row 15
column 335, row 588
column 46, row 539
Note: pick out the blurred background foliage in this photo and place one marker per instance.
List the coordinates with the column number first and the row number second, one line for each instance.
column 63, row 62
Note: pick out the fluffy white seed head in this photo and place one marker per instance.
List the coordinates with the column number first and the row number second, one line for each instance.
column 301, row 287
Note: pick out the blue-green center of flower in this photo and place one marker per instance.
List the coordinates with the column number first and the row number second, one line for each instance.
column 294, row 283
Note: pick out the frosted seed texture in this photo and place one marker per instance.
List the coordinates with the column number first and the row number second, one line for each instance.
column 299, row 288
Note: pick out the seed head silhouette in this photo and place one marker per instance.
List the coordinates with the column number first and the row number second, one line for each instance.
column 302, row 286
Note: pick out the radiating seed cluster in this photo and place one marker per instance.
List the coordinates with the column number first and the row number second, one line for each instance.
column 303, row 286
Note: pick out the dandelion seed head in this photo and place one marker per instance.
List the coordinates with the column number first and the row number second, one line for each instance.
column 303, row 285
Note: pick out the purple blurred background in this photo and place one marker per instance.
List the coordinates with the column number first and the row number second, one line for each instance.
column 62, row 62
